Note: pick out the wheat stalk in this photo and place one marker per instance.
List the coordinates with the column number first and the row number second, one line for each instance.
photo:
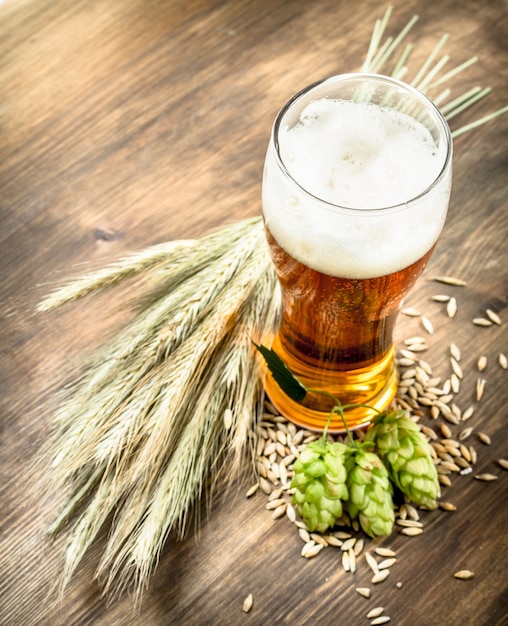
column 163, row 416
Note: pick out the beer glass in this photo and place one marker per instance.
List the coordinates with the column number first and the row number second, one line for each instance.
column 356, row 186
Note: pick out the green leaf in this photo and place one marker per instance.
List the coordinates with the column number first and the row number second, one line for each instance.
column 282, row 375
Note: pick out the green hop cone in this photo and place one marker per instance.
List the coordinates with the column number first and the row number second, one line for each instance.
column 407, row 455
column 320, row 484
column 370, row 493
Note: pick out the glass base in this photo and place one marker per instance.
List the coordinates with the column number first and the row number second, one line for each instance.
column 374, row 386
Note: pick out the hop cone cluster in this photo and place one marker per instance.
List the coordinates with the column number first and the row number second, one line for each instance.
column 320, row 484
column 370, row 493
column 407, row 456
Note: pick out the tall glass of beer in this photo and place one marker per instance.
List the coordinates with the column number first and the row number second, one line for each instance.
column 356, row 187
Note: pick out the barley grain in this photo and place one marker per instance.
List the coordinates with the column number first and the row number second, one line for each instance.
column 464, row 574
column 280, row 511
column 464, row 434
column 363, row 591
column 474, row 456
column 375, row 612
column 311, row 549
column 503, row 361
column 345, row 561
column 304, row 535
column 445, row 430
column 382, row 619
column 349, row 543
column 447, row 506
column 444, row 480
column 333, row 541
column 358, row 547
column 380, row 576
column 503, row 463
column 410, row 532
column 455, row 351
column 290, row 512
column 413, row 340
column 411, row 312
column 486, row 477
column 427, row 325
column 484, row 438
column 371, row 562
column 481, row 321
column 409, row 523
column 455, row 383
column 493, row 316
column 451, row 307
column 387, row 563
column 440, row 298
column 467, row 413
column 406, row 361
column 265, row 485
column 450, row 280
column 248, row 603
column 384, row 552
column 341, row 534
column 481, row 363
column 252, row 490
column 457, row 370
column 352, row 560
column 480, row 388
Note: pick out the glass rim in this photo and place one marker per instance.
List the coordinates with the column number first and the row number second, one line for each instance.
column 337, row 78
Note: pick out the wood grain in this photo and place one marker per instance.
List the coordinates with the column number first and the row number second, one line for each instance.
column 128, row 123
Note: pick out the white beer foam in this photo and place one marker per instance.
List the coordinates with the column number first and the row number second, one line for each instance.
column 364, row 157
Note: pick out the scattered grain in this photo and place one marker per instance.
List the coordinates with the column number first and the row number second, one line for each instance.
column 427, row 324
column 481, row 363
column 445, row 430
column 252, row 490
column 440, row 298
column 450, row 280
column 352, row 560
column 290, row 512
column 248, row 603
column 363, row 591
column 451, row 307
column 447, row 506
column 503, row 361
column 493, row 316
column 464, row 574
column 481, row 321
column 345, row 562
column 371, row 562
column 358, row 547
column 380, row 576
column 480, row 388
column 410, row 532
column 382, row 619
column 457, row 370
column 384, row 552
column 411, row 312
column 444, row 480
column 464, row 434
column 349, row 543
column 467, row 413
column 486, row 477
column 311, row 549
column 375, row 612
column 387, row 563
column 484, row 438
column 503, row 463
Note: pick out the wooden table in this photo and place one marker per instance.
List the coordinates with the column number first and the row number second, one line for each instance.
column 128, row 123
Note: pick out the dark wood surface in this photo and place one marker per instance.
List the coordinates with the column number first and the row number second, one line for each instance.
column 127, row 123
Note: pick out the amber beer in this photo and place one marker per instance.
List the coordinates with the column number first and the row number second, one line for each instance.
column 355, row 194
